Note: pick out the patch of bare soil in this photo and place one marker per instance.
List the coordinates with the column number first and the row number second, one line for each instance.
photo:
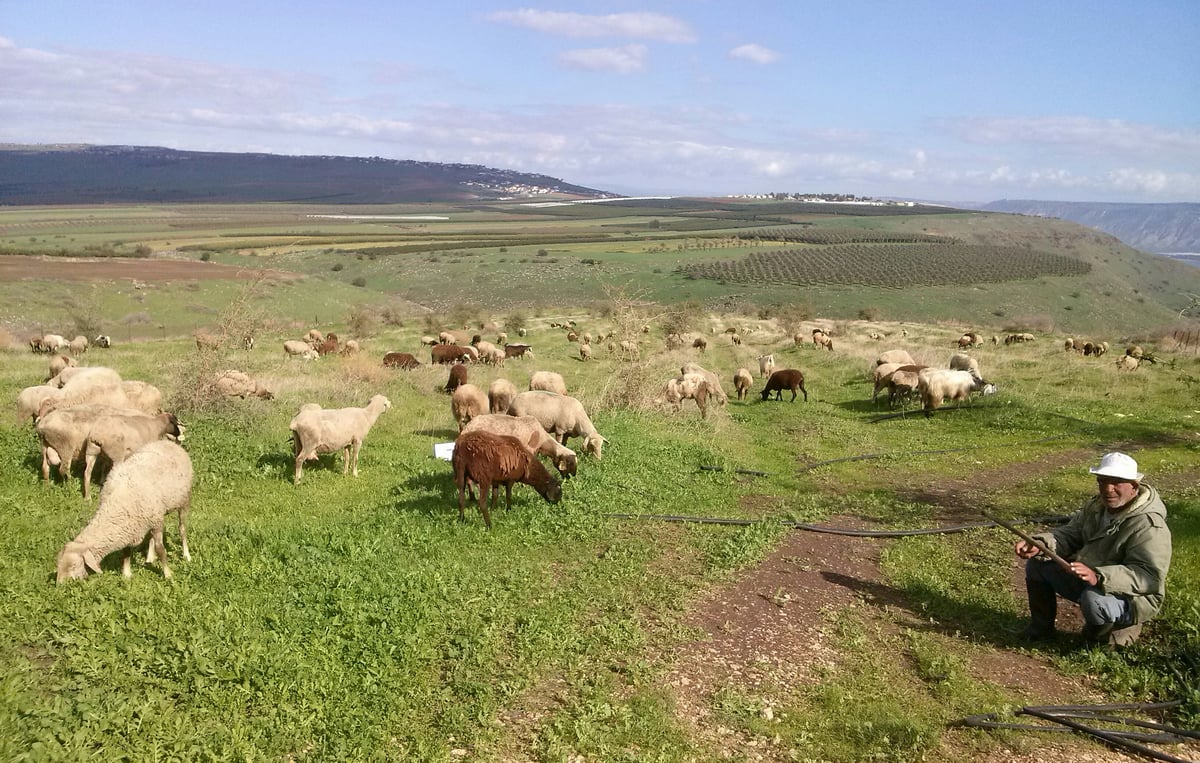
column 18, row 267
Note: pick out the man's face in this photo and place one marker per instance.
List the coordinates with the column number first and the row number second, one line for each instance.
column 1116, row 493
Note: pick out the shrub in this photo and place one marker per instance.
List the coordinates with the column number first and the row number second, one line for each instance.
column 362, row 320
column 360, row 281
column 337, row 267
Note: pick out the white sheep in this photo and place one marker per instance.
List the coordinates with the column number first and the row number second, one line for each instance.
column 937, row 384
column 63, row 432
column 53, row 343
column 743, row 380
column 531, row 434
column 585, row 352
column 60, row 362
column 235, row 383
column 295, row 348
column 549, row 381
column 466, row 402
column 316, row 430
column 103, row 341
column 31, row 399
column 84, row 385
column 685, row 386
column 78, row 345
column 714, row 382
column 962, row 362
column 501, row 393
column 766, row 364
column 560, row 415
column 895, row 356
column 139, row 492
column 115, row 436
column 314, row 337
column 142, row 396
column 350, row 347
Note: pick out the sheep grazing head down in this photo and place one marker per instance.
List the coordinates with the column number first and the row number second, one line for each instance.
column 74, row 561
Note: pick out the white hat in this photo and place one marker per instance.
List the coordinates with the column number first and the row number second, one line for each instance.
column 1118, row 466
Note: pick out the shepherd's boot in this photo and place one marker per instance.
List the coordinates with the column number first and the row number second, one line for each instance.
column 1043, row 609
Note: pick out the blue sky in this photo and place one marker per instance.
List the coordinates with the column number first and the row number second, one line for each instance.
column 945, row 101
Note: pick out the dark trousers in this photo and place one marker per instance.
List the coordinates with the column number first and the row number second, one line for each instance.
column 1045, row 581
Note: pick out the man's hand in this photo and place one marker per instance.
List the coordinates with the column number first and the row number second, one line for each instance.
column 1026, row 550
column 1085, row 573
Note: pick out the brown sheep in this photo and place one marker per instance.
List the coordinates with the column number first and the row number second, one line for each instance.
column 488, row 461
column 447, row 353
column 458, row 377
column 403, row 360
column 787, row 378
column 329, row 346
column 518, row 350
column 700, row 344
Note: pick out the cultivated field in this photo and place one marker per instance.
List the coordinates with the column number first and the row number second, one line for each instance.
column 354, row 619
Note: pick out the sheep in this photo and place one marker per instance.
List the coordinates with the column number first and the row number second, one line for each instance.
column 903, row 381
column 585, row 352
column 1135, row 351
column 486, row 349
column 116, row 435
column 51, row 343
column 80, row 375
column 560, row 415
column 446, row 337
column 314, row 337
column 882, row 374
column 142, row 396
column 502, row 338
column 247, row 341
column 964, row 341
column 531, row 434
column 1129, row 362
column 350, row 347
column 80, row 385
column 103, row 341
column 962, row 362
column 63, row 432
column 572, row 336
column 467, row 402
column 743, row 380
column 693, row 386
column 518, row 350
column 490, row 460
column 139, row 492
column 937, row 384
column 316, row 430
column 894, row 356
column 448, row 353
column 521, row 332
column 501, row 393
column 428, row 341
column 700, row 343
column 823, row 340
column 587, row 337
column 736, row 338
column 549, row 381
column 1068, row 344
column 329, row 346
column 714, row 382
column 294, row 348
column 78, row 345
column 59, row 362
column 788, row 378
column 766, row 364
column 798, row 339
column 31, row 399
column 403, row 360
column 457, row 378
column 234, row 383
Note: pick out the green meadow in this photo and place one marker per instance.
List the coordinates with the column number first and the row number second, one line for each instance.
column 358, row 619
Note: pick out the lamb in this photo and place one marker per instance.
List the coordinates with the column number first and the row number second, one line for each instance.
column 937, row 384
column 798, row 339
column 714, row 382
column 490, row 460
column 316, row 430
column 530, row 432
column 139, row 492
column 903, row 381
column 788, row 378
column 518, row 350
column 403, row 360
column 560, row 415
column 59, row 362
column 350, row 347
column 501, row 393
column 502, row 338
column 457, row 378
column 743, row 380
column 962, row 362
column 448, row 353
column 467, row 402
column 1068, row 344
column 116, row 435
column 103, row 341
column 894, row 356
column 766, row 364
column 78, row 345
column 549, row 381
column 234, row 383
column 295, row 348
column 80, row 375
column 693, row 386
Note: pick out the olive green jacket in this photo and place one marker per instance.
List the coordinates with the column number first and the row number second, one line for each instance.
column 1131, row 556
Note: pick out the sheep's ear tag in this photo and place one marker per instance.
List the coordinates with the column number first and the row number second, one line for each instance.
column 90, row 559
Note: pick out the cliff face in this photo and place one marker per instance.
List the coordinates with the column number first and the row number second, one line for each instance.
column 1163, row 228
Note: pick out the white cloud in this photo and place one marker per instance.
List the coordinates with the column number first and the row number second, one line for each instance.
column 643, row 26
column 755, row 53
column 624, row 60
column 1082, row 134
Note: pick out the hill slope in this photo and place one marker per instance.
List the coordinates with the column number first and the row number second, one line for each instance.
column 138, row 174
column 1150, row 227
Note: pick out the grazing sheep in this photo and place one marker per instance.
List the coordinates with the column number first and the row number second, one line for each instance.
column 962, row 362
column 560, row 415
column 329, row 346
column 882, row 373
column 247, row 341
column 79, row 345
column 714, row 382
column 964, row 341
column 585, row 352
column 139, row 492
column 518, row 350
column 572, row 336
column 86, row 384
column 116, row 435
column 903, row 381
column 743, row 380
column 549, row 381
column 700, row 344
column 80, row 375
column 693, row 386
column 788, row 378
column 630, row 349
column 521, row 332
column 798, row 339
column 673, row 341
column 234, row 383
column 294, row 348
column 58, row 363
column 350, row 347
column 502, row 338
column 490, row 460
column 458, row 377
column 49, row 343
column 587, row 337
column 429, row 341
column 103, row 341
column 31, row 399
column 1135, row 351
column 449, row 353
column 316, row 430
column 501, row 393
column 446, row 337
column 63, row 434
column 822, row 340
column 142, row 396
column 766, row 364
column 937, row 384
column 894, row 356
column 736, row 338
column 314, row 337
column 1068, row 344
column 530, row 433
column 403, row 360
column 467, row 402
column 1129, row 362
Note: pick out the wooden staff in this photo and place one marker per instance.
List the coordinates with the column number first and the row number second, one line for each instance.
column 1035, row 543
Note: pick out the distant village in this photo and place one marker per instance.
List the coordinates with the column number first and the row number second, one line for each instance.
column 824, row 198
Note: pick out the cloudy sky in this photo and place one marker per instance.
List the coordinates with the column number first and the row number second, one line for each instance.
column 945, row 100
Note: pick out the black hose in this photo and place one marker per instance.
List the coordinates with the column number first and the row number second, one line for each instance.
column 1115, row 740
column 832, row 530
